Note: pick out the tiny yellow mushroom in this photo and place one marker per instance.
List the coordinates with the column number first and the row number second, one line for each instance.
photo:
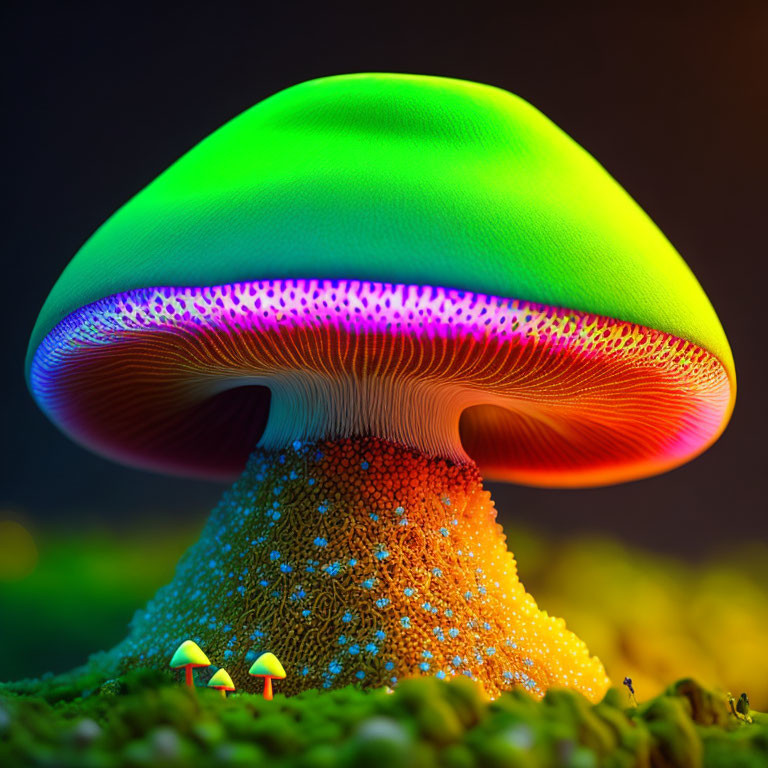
column 188, row 656
column 268, row 667
column 221, row 681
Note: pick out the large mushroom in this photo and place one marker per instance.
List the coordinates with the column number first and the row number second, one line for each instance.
column 359, row 295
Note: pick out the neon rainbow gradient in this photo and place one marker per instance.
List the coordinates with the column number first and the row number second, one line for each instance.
column 533, row 393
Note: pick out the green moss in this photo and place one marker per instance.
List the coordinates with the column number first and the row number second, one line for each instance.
column 676, row 741
column 425, row 723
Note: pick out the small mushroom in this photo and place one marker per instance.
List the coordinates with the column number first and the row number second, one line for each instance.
column 188, row 656
column 221, row 681
column 268, row 667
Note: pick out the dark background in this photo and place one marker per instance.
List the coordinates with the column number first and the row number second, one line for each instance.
column 97, row 100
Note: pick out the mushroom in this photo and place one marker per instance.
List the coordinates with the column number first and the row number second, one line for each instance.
column 359, row 295
column 221, row 681
column 268, row 667
column 188, row 656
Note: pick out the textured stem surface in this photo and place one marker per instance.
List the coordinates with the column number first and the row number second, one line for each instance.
column 359, row 561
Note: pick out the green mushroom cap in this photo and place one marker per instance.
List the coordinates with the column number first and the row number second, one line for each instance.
column 396, row 179
column 221, row 680
column 189, row 654
column 267, row 665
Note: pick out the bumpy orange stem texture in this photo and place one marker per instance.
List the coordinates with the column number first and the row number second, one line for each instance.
column 360, row 561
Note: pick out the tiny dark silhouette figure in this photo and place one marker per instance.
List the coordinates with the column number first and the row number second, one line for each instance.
column 742, row 705
column 741, row 708
column 628, row 682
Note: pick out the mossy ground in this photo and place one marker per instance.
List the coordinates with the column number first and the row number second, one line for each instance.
column 146, row 719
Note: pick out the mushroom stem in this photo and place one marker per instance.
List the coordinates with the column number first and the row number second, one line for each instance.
column 268, row 688
column 360, row 560
column 422, row 415
column 188, row 679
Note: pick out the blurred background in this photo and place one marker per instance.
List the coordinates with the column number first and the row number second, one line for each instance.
column 663, row 577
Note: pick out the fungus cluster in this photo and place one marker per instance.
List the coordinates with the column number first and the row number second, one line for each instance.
column 360, row 295
column 189, row 656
